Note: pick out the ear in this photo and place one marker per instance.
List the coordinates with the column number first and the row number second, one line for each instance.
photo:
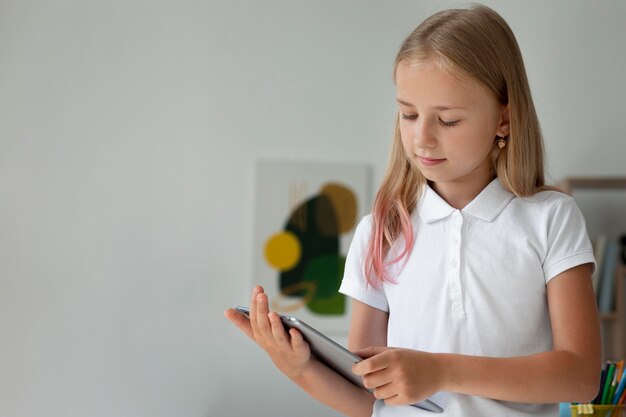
column 504, row 126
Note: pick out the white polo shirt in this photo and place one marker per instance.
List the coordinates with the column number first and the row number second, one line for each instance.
column 475, row 283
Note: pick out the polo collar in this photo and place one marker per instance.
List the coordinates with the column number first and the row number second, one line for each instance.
column 486, row 206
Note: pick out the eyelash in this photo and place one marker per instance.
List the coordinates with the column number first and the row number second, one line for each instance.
column 441, row 122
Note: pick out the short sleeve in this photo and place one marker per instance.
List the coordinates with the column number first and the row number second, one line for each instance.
column 354, row 283
column 568, row 242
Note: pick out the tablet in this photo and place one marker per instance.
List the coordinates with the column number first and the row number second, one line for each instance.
column 333, row 354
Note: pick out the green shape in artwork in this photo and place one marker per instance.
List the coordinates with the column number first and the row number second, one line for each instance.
column 314, row 224
column 332, row 306
column 326, row 272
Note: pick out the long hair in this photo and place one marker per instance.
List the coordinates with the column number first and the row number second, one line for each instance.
column 478, row 43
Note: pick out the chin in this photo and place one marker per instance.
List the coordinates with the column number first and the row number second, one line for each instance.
column 432, row 177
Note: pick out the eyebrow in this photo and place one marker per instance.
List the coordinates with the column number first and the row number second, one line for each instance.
column 434, row 107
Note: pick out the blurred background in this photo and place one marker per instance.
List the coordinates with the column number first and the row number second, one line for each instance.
column 129, row 134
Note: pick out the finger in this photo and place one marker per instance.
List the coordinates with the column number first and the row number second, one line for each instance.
column 240, row 321
column 370, row 351
column 262, row 320
column 255, row 292
column 278, row 331
column 377, row 380
column 297, row 341
column 394, row 400
column 373, row 364
column 385, row 392
column 252, row 315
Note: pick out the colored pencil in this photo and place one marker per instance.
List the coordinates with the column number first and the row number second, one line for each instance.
column 607, row 384
column 602, row 379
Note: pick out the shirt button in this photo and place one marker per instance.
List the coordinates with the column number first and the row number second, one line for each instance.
column 453, row 264
column 455, row 240
column 454, row 289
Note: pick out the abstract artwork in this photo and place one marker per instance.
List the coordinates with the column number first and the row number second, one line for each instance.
column 305, row 219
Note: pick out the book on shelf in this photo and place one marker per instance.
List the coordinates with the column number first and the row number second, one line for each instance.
column 599, row 247
column 606, row 284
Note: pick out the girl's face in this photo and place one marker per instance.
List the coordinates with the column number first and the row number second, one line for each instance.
column 448, row 125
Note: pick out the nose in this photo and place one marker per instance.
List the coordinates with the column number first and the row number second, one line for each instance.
column 423, row 135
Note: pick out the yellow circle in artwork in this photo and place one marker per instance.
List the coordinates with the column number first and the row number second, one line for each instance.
column 283, row 250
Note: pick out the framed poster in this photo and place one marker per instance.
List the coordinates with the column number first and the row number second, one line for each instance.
column 306, row 214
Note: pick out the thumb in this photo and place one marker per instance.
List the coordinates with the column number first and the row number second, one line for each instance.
column 370, row 351
column 240, row 321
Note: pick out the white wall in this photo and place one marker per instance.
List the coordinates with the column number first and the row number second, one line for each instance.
column 129, row 131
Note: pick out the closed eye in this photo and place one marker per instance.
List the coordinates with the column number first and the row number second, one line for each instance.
column 448, row 124
column 441, row 122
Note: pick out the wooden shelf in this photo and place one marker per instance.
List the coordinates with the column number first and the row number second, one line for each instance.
column 609, row 316
column 600, row 183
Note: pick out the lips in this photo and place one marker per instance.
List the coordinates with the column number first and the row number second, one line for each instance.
column 429, row 161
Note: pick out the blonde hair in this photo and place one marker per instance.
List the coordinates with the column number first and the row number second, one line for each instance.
column 478, row 43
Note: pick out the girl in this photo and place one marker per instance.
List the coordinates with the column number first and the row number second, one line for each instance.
column 470, row 276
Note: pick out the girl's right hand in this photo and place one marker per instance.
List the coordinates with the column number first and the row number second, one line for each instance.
column 289, row 352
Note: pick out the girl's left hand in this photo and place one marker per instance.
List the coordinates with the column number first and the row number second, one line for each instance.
column 288, row 350
column 399, row 376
